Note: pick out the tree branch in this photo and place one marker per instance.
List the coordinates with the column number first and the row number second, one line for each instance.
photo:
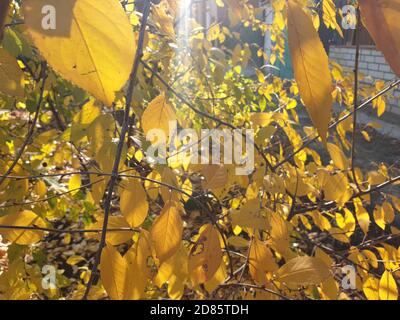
column 124, row 130
column 353, row 140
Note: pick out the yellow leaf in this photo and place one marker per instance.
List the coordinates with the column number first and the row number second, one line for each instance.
column 388, row 212
column 220, row 3
column 362, row 215
column 249, row 215
column 366, row 135
column 166, row 232
column 340, row 235
column 174, row 271
column 40, row 188
column 329, row 16
column 91, row 42
column 376, row 177
column 11, row 75
column 381, row 19
column 124, row 278
column 371, row 258
column 330, row 289
column 346, row 223
column 320, row 220
column 157, row 115
column 311, row 67
column 24, row 218
column 388, row 287
column 73, row 260
column 169, row 178
column 238, row 242
column 99, row 132
column 74, row 184
column 215, row 176
column 205, row 256
column 261, row 261
column 113, row 271
column 338, row 157
column 379, row 217
column 218, row 278
column 113, row 237
column 99, row 185
column 139, row 270
column 133, row 202
column 371, row 288
column 152, row 187
column 164, row 20
column 335, row 186
column 280, row 233
column 303, row 271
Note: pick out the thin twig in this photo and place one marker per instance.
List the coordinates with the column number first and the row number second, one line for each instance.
column 356, row 69
column 124, row 130
column 247, row 257
column 51, row 230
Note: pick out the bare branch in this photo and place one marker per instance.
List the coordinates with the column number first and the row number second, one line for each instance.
column 124, row 130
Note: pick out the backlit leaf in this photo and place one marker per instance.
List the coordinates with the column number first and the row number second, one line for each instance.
column 157, row 115
column 91, row 45
column 205, row 256
column 388, row 287
column 381, row 20
column 311, row 68
column 24, row 218
column 303, row 271
column 166, row 232
column 261, row 261
column 133, row 202
column 11, row 75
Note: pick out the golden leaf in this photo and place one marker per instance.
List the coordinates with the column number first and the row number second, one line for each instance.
column 157, row 115
column 133, row 202
column 91, row 45
column 205, row 256
column 338, row 157
column 74, row 184
column 166, row 232
column 388, row 287
column 215, row 176
column 381, row 19
column 11, row 75
column 113, row 237
column 311, row 67
column 24, row 218
column 371, row 288
column 261, row 261
column 303, row 271
column 124, row 278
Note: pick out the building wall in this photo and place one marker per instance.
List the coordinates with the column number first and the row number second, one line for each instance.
column 372, row 64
